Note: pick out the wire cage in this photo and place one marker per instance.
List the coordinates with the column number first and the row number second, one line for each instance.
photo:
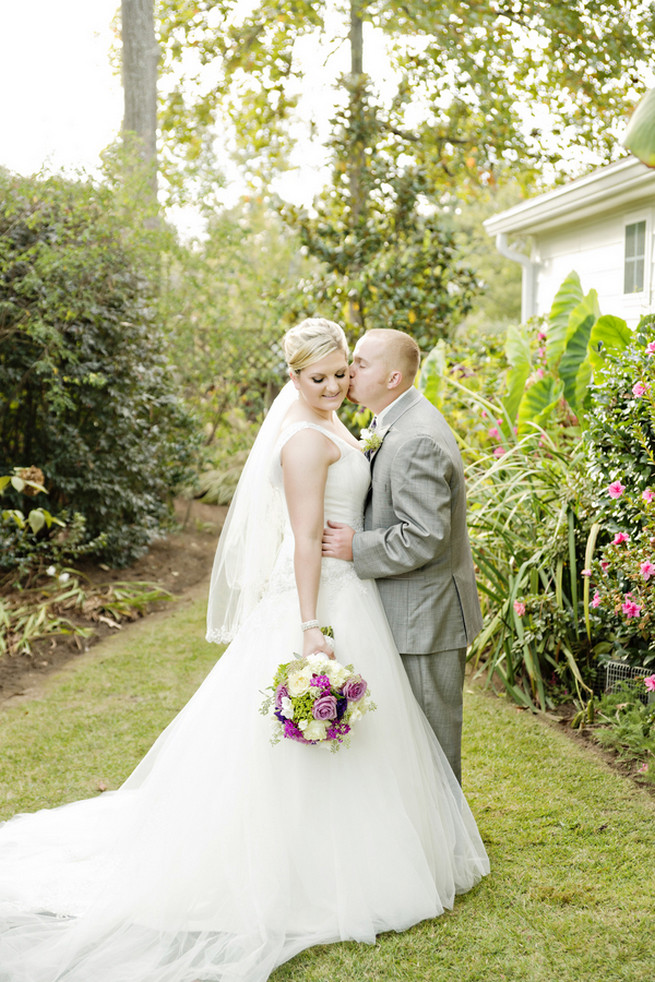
column 618, row 671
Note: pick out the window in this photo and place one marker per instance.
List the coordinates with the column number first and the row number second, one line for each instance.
column 635, row 257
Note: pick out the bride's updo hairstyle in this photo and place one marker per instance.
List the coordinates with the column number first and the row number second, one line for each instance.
column 311, row 340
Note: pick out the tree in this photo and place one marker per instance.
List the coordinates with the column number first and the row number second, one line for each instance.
column 86, row 394
column 225, row 305
column 479, row 84
column 140, row 56
column 467, row 77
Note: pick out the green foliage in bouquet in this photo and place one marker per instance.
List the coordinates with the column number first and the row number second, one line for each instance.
column 84, row 384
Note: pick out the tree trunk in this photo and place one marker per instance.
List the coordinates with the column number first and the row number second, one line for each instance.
column 140, row 58
column 356, row 109
column 356, row 162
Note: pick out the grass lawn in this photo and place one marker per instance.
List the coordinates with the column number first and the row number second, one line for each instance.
column 571, row 896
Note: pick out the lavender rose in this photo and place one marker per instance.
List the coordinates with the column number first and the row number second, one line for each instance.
column 355, row 688
column 280, row 693
column 325, row 708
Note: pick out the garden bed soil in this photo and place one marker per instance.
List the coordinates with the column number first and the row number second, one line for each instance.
column 560, row 719
column 176, row 563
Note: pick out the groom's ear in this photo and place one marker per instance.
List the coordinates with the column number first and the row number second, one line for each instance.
column 395, row 379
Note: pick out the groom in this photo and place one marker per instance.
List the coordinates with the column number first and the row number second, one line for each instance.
column 415, row 541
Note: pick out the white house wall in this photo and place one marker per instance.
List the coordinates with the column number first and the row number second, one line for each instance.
column 596, row 252
column 581, row 226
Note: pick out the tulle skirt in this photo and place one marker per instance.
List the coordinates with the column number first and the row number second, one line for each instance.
column 223, row 856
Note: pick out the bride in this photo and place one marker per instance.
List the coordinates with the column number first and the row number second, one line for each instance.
column 223, row 856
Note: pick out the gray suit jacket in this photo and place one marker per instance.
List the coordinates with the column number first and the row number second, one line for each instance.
column 415, row 541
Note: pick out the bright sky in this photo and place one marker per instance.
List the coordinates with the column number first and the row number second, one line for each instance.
column 61, row 104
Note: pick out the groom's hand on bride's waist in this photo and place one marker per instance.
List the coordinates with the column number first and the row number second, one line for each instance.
column 338, row 541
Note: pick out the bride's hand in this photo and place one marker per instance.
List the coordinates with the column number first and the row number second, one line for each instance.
column 315, row 641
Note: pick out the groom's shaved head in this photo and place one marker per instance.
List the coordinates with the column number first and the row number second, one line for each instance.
column 401, row 351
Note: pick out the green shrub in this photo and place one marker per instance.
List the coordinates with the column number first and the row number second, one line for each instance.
column 620, row 436
column 625, row 723
column 85, row 389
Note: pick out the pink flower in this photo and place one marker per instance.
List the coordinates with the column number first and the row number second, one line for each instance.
column 631, row 609
column 539, row 373
column 647, row 569
column 541, row 336
column 639, row 389
column 541, row 352
column 585, row 572
column 519, row 608
column 619, row 538
column 643, row 769
column 499, row 452
column 604, row 566
column 648, row 495
column 616, row 489
column 649, row 682
column 650, row 348
column 494, row 433
column 596, row 599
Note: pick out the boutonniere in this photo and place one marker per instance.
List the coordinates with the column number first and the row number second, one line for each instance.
column 370, row 442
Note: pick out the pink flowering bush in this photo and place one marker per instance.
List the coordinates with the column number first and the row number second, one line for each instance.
column 621, row 578
column 620, row 437
column 620, row 443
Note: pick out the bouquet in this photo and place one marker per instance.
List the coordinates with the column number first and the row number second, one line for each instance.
column 315, row 700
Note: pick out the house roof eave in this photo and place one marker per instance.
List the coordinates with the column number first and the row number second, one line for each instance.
column 625, row 182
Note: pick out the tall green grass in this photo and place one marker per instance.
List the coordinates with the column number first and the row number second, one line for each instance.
column 530, row 544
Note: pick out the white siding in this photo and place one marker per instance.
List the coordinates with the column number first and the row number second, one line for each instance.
column 595, row 250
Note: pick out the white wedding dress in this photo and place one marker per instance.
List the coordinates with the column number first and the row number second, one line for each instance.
column 222, row 856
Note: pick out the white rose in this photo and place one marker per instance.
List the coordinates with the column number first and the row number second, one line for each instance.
column 298, row 683
column 315, row 730
column 355, row 714
column 317, row 660
column 286, row 708
column 336, row 673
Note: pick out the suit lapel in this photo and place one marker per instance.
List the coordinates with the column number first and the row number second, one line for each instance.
column 409, row 400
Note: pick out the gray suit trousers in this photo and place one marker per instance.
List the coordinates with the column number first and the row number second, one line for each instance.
column 437, row 681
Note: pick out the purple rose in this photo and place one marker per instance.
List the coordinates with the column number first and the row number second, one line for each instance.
column 325, row 707
column 355, row 688
column 280, row 693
